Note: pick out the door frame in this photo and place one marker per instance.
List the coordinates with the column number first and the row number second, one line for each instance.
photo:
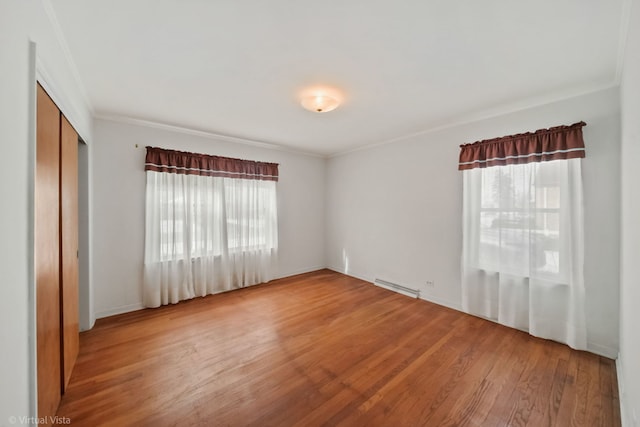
column 38, row 74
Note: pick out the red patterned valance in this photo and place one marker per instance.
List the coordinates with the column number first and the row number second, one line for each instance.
column 182, row 162
column 561, row 142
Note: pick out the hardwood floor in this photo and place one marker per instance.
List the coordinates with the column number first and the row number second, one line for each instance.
column 327, row 349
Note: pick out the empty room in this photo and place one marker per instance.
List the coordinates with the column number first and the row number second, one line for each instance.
column 293, row 213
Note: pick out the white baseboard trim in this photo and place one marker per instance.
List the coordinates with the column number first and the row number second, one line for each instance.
column 442, row 302
column 595, row 348
column 83, row 329
column 628, row 416
column 119, row 310
column 301, row 271
column 625, row 422
column 351, row 274
column 139, row 306
column 602, row 350
column 429, row 298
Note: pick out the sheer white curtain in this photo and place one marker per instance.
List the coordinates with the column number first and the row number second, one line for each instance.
column 523, row 248
column 207, row 234
column 523, row 232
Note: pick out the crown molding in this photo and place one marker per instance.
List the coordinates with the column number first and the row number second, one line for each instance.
column 64, row 46
column 203, row 134
column 485, row 114
column 64, row 103
column 625, row 18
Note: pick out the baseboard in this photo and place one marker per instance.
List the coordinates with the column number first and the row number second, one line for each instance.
column 595, row 348
column 621, row 394
column 628, row 415
column 119, row 310
column 442, row 302
column 351, row 274
column 91, row 325
column 139, row 306
column 301, row 271
column 429, row 298
column 602, row 350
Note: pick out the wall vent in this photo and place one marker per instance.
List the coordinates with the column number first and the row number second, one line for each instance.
column 414, row 293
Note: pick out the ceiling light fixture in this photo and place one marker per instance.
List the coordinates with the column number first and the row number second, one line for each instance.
column 320, row 103
column 320, row 100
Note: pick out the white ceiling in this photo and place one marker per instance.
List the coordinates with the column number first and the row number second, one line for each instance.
column 235, row 67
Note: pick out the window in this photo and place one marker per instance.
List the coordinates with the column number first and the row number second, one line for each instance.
column 233, row 215
column 211, row 224
column 519, row 219
column 523, row 237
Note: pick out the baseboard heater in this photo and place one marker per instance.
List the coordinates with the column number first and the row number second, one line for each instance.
column 414, row 293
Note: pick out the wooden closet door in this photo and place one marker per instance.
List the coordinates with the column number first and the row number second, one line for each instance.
column 69, row 248
column 47, row 254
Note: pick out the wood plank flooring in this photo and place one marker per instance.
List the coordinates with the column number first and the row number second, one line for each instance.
column 327, row 349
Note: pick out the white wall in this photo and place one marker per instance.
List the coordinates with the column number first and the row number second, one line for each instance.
column 629, row 361
column 118, row 206
column 395, row 211
column 21, row 22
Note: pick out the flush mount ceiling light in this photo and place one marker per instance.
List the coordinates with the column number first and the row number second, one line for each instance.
column 320, row 100
column 319, row 103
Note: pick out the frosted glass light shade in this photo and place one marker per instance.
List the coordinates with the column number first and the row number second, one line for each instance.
column 320, row 103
